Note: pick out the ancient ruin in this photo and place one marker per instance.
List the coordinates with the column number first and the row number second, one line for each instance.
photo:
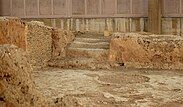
column 58, row 53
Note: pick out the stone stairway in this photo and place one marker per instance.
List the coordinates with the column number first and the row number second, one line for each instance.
column 86, row 52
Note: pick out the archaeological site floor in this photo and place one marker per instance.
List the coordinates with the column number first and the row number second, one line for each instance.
column 120, row 88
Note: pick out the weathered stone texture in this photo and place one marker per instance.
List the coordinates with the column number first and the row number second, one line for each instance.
column 147, row 51
column 13, row 31
column 39, row 43
column 17, row 88
column 60, row 41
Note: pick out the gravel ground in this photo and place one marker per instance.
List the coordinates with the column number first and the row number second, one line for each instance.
column 123, row 88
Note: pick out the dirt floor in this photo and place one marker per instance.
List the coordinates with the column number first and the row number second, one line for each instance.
column 124, row 88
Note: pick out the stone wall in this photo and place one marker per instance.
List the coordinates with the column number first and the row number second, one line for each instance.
column 147, row 51
column 39, row 43
column 172, row 26
column 169, row 25
column 13, row 31
column 34, row 37
column 97, row 24
column 17, row 88
column 60, row 41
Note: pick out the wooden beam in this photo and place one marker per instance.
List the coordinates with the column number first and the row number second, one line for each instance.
column 154, row 16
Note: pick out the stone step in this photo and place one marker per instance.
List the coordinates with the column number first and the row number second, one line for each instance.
column 92, row 40
column 90, row 35
column 99, row 45
column 71, row 63
column 98, row 54
column 79, row 63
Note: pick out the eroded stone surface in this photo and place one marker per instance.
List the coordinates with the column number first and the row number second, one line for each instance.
column 39, row 43
column 147, row 51
column 87, row 51
column 17, row 88
column 60, row 41
column 13, row 31
column 103, row 88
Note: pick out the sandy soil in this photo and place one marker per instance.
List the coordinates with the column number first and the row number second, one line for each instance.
column 124, row 88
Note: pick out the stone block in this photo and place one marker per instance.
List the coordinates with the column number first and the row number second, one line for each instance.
column 17, row 88
column 60, row 40
column 147, row 51
column 39, row 43
column 107, row 33
column 13, row 31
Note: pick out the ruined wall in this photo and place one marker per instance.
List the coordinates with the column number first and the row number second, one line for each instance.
column 60, row 41
column 34, row 37
column 39, row 43
column 13, row 31
column 17, row 88
column 45, row 43
column 147, row 51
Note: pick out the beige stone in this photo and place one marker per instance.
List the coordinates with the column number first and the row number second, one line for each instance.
column 16, row 83
column 13, row 31
column 147, row 51
column 60, row 40
column 88, row 51
column 39, row 43
column 107, row 33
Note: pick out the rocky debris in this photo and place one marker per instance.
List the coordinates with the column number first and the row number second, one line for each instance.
column 147, row 51
column 13, row 31
column 17, row 88
column 60, row 40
